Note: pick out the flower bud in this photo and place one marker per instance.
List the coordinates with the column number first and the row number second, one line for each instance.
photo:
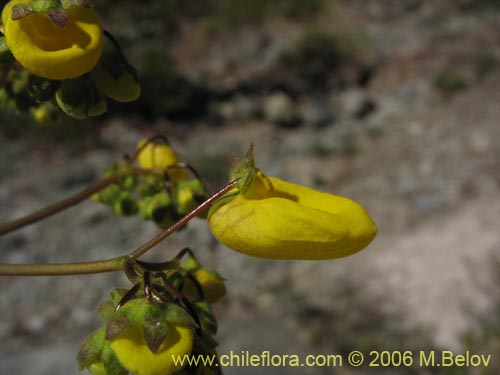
column 276, row 219
column 132, row 343
column 160, row 155
column 79, row 99
column 211, row 283
column 109, row 195
column 115, row 77
column 125, row 204
column 47, row 50
column 190, row 194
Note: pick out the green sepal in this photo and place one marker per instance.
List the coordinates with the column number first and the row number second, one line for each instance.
column 206, row 316
column 112, row 169
column 160, row 208
column 91, row 349
column 66, row 4
column 79, row 98
column 175, row 279
column 176, row 315
column 6, row 56
column 144, row 211
column 117, row 323
column 21, row 10
column 109, row 195
column 208, row 340
column 110, row 362
column 150, row 185
column 117, row 294
column 106, row 309
column 242, row 170
column 191, row 264
column 125, row 204
column 41, row 89
column 155, row 330
column 128, row 182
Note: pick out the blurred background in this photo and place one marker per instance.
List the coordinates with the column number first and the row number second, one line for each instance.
column 394, row 104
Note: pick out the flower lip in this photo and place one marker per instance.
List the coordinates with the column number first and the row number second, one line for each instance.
column 52, row 52
column 281, row 220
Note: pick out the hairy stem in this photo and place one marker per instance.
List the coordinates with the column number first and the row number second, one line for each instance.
column 58, row 206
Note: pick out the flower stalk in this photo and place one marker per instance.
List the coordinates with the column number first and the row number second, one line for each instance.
column 109, row 265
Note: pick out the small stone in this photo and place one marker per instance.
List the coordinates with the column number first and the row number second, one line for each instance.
column 280, row 110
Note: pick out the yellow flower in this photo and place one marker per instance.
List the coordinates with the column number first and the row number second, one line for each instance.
column 160, row 156
column 280, row 220
column 52, row 52
column 133, row 353
column 211, row 283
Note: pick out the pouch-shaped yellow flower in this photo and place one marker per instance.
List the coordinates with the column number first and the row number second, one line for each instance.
column 280, row 220
column 160, row 156
column 133, row 353
column 52, row 52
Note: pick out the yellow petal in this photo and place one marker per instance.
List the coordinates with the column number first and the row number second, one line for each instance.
column 131, row 350
column 158, row 155
column 52, row 52
column 279, row 220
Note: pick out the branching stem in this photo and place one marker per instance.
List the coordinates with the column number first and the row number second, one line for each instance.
column 108, row 265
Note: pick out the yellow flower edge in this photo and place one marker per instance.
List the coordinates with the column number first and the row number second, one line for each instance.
column 212, row 284
column 276, row 219
column 49, row 51
column 156, row 155
column 133, row 353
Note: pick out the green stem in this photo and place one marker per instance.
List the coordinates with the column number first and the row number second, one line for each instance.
column 58, row 206
column 56, row 269
column 109, row 265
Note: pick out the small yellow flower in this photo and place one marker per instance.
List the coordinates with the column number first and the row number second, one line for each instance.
column 211, row 283
column 49, row 51
column 160, row 156
column 133, row 353
column 280, row 220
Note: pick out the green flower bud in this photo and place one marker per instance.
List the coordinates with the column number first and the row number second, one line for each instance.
column 125, row 205
column 210, row 281
column 109, row 195
column 190, row 194
column 79, row 99
column 160, row 207
column 114, row 76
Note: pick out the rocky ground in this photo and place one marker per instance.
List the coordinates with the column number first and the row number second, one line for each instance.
column 418, row 153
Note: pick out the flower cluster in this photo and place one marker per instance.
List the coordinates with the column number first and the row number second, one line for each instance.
column 158, row 319
column 54, row 56
column 160, row 189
